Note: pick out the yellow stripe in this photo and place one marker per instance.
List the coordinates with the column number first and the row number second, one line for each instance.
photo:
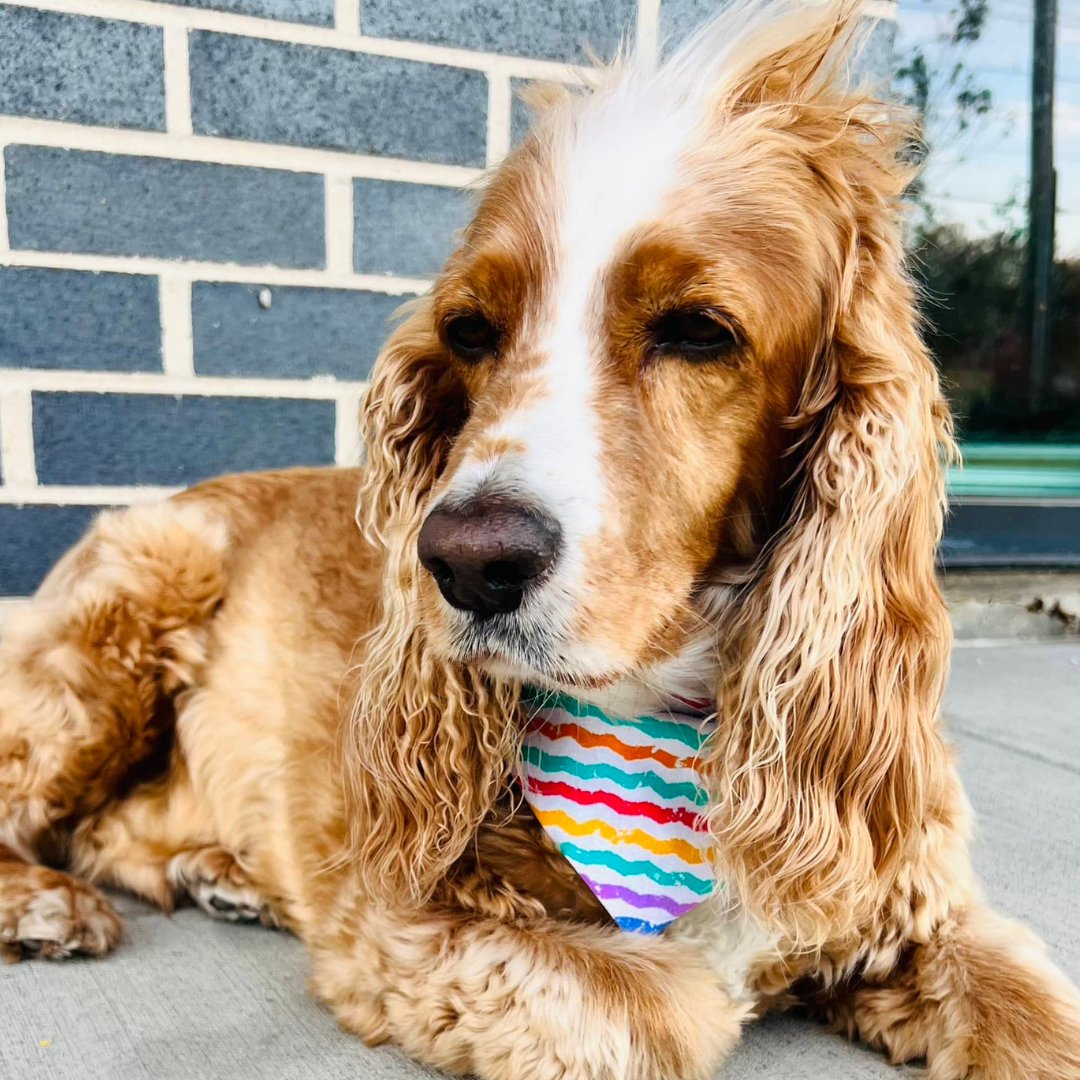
column 686, row 851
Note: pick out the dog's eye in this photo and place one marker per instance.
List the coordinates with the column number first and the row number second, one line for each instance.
column 472, row 337
column 695, row 334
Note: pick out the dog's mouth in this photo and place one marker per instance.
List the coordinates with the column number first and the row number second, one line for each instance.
column 548, row 679
column 506, row 649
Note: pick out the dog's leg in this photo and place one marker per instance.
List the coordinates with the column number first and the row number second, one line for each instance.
column 88, row 672
column 980, row 1001
column 540, row 1001
column 159, row 843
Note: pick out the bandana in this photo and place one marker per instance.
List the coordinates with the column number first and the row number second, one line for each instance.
column 622, row 800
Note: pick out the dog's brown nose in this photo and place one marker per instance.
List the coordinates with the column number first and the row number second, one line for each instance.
column 486, row 553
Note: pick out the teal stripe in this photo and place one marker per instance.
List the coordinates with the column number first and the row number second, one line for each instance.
column 687, row 734
column 631, row 866
column 600, row 770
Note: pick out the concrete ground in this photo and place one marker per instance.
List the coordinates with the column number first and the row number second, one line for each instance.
column 190, row 999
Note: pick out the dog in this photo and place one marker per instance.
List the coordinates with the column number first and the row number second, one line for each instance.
column 664, row 428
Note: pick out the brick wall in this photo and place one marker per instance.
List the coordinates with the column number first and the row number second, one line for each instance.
column 209, row 208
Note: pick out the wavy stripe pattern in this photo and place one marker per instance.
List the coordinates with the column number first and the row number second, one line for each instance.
column 622, row 800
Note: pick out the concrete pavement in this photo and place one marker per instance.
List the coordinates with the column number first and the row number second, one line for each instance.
column 190, row 999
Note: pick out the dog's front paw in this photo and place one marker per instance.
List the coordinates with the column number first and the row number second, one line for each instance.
column 48, row 914
column 216, row 881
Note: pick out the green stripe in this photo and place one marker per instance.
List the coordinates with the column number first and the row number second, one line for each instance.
column 630, row 866
column 690, row 736
column 599, row 770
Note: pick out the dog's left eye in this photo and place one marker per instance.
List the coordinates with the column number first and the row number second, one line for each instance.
column 472, row 337
column 696, row 334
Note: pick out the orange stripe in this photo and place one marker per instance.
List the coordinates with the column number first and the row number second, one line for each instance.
column 686, row 851
column 591, row 739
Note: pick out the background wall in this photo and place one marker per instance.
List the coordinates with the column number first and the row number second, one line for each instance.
column 209, row 208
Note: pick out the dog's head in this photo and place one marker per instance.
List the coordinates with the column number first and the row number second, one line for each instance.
column 676, row 347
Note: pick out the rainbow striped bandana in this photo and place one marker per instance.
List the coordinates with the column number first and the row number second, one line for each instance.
column 622, row 800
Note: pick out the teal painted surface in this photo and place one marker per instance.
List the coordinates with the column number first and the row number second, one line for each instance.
column 1005, row 470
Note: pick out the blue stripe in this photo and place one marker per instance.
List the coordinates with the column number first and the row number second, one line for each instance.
column 632, row 868
column 640, row 926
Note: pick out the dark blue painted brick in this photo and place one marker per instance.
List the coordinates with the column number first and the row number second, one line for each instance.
column 304, row 332
column 679, row 17
column 73, row 200
column 879, row 54
column 406, row 229
column 521, row 116
column 33, row 538
column 90, row 71
column 316, row 12
column 248, row 88
column 152, row 439
column 553, row 30
column 79, row 321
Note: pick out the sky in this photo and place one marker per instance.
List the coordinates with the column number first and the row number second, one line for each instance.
column 971, row 176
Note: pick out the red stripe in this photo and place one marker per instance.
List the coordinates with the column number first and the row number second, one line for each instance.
column 660, row 814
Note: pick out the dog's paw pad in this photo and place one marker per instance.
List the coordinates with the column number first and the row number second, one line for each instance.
column 223, row 901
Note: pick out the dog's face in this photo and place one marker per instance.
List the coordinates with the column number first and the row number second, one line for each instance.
column 631, row 317
column 678, row 336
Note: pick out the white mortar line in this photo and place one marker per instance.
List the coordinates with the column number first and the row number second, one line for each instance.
column 347, row 17
column 22, row 381
column 177, row 82
column 347, row 429
column 340, row 224
column 9, row 605
column 17, row 436
column 498, row 122
column 217, row 151
column 177, row 339
column 83, row 495
column 3, row 203
column 648, row 26
column 224, row 272
column 162, row 14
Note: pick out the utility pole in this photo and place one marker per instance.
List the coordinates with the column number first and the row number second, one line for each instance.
column 1042, row 198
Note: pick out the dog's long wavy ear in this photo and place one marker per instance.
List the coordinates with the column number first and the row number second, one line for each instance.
column 826, row 764
column 424, row 753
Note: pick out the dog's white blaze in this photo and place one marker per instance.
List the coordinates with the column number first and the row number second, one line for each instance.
column 616, row 160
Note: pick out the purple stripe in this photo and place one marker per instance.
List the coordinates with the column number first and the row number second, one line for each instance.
column 636, row 899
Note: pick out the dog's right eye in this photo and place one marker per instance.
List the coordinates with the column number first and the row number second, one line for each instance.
column 472, row 337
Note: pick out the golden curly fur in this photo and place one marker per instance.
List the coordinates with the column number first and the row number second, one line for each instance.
column 239, row 697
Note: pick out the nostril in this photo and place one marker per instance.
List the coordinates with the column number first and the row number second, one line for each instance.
column 503, row 574
column 440, row 571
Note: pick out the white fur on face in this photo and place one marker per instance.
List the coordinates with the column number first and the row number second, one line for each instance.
column 617, row 157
